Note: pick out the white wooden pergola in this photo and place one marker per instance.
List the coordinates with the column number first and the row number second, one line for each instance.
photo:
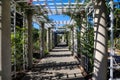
column 59, row 7
column 48, row 7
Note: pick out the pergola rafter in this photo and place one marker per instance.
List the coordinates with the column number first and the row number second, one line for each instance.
column 54, row 7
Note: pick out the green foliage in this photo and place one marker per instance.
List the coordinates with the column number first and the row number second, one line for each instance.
column 29, row 11
column 87, row 44
column 36, row 45
column 86, row 1
column 46, row 52
column 17, row 47
column 78, row 42
column 76, row 17
column 36, row 39
column 117, row 22
column 117, row 28
column 35, row 34
column 90, row 45
column 69, row 42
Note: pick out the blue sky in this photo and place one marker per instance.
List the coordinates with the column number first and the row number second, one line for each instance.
column 116, row 0
column 55, row 18
column 58, row 17
column 35, row 25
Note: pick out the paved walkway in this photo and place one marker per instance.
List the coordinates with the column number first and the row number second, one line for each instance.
column 59, row 65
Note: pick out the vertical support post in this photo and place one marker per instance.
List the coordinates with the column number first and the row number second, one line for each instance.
column 53, row 39
column 49, row 38
column 78, row 42
column 87, row 60
column 111, row 39
column 75, row 41
column 67, row 36
column 69, row 39
column 24, row 42
column 30, row 48
column 14, row 25
column 42, row 39
column 5, row 30
column 100, row 41
column 72, row 40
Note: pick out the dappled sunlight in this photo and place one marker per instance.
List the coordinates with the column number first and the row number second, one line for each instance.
column 59, row 64
column 59, row 39
column 100, row 42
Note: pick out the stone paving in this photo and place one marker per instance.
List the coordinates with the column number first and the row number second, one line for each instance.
column 59, row 65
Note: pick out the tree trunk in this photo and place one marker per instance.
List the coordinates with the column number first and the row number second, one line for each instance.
column 100, row 41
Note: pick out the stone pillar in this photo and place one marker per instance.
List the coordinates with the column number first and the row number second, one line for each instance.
column 72, row 37
column 30, row 47
column 49, row 38
column 71, row 40
column 67, row 37
column 75, row 41
column 53, row 39
column 5, row 53
column 100, row 41
column 42, row 39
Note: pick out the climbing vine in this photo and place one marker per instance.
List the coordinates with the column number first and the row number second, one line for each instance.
column 17, row 42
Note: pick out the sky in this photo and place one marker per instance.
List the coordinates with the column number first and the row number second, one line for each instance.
column 36, row 25
column 59, row 17
column 55, row 18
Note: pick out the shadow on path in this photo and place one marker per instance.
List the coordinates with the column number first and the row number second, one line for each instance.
column 58, row 65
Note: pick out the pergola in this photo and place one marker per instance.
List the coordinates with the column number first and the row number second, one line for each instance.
column 42, row 8
column 60, row 7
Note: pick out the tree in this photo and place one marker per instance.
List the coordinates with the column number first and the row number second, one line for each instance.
column 100, row 41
